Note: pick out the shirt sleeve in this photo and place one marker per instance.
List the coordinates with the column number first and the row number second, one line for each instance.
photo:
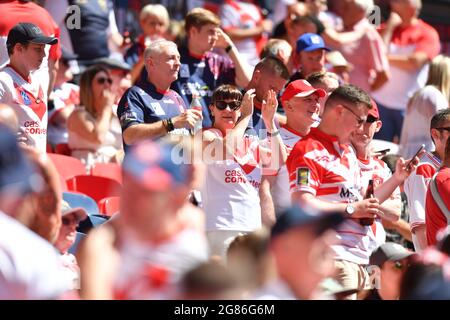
column 305, row 174
column 416, row 189
column 429, row 43
column 130, row 110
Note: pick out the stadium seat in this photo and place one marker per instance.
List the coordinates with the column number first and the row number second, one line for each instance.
column 67, row 167
column 108, row 170
column 95, row 187
column 109, row 206
column 81, row 200
column 63, row 148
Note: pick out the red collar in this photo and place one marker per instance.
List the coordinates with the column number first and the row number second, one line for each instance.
column 196, row 56
column 27, row 79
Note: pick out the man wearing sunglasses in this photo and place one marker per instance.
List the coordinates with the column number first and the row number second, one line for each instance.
column 324, row 174
column 417, row 184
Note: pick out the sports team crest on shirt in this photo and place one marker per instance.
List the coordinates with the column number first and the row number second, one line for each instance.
column 302, row 176
column 26, row 99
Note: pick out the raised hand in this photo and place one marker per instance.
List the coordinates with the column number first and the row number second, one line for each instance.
column 247, row 103
column 187, row 119
column 269, row 107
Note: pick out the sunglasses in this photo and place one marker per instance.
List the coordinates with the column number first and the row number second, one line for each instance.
column 102, row 80
column 67, row 221
column 371, row 119
column 444, row 128
column 222, row 105
column 360, row 120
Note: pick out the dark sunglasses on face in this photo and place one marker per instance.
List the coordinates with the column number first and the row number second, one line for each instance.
column 102, row 80
column 371, row 119
column 222, row 105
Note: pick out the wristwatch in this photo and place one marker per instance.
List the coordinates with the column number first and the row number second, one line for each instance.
column 350, row 209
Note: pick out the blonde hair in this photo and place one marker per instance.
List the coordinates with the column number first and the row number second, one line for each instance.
column 439, row 75
column 156, row 10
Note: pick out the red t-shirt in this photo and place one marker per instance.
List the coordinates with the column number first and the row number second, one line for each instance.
column 14, row 12
column 421, row 35
column 435, row 218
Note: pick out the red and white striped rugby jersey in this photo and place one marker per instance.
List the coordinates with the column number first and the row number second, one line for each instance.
column 416, row 188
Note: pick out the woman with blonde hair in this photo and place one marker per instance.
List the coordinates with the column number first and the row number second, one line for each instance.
column 423, row 105
column 95, row 135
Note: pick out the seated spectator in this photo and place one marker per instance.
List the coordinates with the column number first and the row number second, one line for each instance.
column 423, row 105
column 71, row 217
column 95, row 135
column 154, row 20
column 65, row 97
column 387, row 265
column 327, row 81
column 233, row 172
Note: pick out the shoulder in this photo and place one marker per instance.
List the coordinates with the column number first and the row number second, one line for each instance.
column 425, row 27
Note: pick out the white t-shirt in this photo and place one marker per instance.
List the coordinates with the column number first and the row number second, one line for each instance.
column 280, row 188
column 154, row 270
column 244, row 15
column 230, row 191
column 416, row 125
column 29, row 101
column 30, row 268
column 402, row 83
column 416, row 186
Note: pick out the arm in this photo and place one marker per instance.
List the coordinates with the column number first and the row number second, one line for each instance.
column 380, row 79
column 53, row 66
column 367, row 208
column 243, row 70
column 384, row 191
column 420, row 233
column 242, row 34
column 409, row 62
column 93, row 131
column 141, row 131
column 267, row 207
column 401, row 226
column 277, row 147
column 390, row 210
column 336, row 39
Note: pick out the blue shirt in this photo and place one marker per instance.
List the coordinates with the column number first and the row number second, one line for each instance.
column 143, row 103
column 202, row 75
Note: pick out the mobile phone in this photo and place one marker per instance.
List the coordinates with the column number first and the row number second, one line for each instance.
column 408, row 166
column 383, row 152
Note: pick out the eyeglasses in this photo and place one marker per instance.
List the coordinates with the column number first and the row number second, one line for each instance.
column 360, row 120
column 444, row 128
column 67, row 221
column 102, row 80
column 222, row 105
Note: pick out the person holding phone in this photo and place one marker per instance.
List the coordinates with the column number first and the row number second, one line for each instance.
column 417, row 184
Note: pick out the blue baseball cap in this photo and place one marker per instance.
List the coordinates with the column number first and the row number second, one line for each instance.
column 16, row 171
column 296, row 216
column 152, row 164
column 310, row 42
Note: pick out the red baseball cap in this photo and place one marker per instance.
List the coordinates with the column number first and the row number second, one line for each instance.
column 373, row 112
column 301, row 88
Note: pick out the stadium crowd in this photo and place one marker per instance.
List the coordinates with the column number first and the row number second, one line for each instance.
column 233, row 149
